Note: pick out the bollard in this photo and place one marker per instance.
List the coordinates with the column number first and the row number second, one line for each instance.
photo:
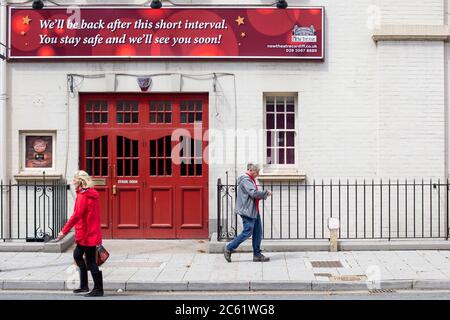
column 333, row 226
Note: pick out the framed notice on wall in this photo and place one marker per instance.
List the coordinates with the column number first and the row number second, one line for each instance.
column 38, row 151
column 168, row 33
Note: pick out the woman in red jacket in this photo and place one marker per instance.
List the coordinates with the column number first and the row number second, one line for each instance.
column 86, row 219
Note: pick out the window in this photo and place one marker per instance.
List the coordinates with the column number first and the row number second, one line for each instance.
column 127, row 112
column 160, row 112
column 280, row 129
column 191, row 111
column 97, row 111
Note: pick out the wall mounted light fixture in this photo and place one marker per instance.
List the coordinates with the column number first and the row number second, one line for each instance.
column 282, row 4
column 156, row 4
column 38, row 4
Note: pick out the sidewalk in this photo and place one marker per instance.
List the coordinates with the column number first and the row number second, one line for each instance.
column 184, row 265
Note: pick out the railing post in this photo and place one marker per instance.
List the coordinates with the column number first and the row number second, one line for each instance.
column 44, row 198
column 219, row 188
column 54, row 208
column 446, row 231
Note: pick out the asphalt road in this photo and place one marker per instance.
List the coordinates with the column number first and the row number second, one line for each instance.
column 364, row 295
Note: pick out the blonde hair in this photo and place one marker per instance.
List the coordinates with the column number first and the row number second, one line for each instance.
column 83, row 178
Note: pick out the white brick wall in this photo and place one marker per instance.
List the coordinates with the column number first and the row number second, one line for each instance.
column 369, row 110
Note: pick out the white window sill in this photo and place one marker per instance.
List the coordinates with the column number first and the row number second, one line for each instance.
column 31, row 176
column 282, row 177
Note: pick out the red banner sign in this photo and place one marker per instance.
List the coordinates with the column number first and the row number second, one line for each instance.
column 207, row 32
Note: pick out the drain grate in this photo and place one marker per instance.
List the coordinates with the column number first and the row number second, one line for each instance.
column 327, row 264
column 378, row 291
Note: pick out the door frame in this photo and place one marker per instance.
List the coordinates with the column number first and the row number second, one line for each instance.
column 179, row 231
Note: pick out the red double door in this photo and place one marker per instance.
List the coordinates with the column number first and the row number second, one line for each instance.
column 145, row 153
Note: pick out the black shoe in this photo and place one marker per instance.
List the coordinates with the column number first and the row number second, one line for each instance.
column 98, row 285
column 95, row 293
column 227, row 254
column 260, row 258
column 81, row 290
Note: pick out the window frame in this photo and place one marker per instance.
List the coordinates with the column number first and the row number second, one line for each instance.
column 23, row 134
column 289, row 168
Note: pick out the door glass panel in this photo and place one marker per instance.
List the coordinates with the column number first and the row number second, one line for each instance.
column 104, row 167
column 153, row 167
column 96, row 155
column 135, row 148
column 127, row 147
column 127, row 112
column 160, row 167
column 127, row 157
column 135, row 167
column 127, row 167
column 160, row 156
column 160, row 112
column 168, row 167
column 120, row 167
column 152, row 148
column 191, row 169
column 89, row 148
column 191, row 111
column 104, row 146
column 97, row 147
column 89, row 166
column 96, row 111
column 96, row 167
column 191, row 157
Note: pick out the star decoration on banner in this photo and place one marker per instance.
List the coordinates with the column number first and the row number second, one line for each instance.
column 22, row 33
column 243, row 34
column 26, row 20
column 240, row 20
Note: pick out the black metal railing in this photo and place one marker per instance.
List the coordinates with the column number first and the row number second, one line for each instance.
column 32, row 211
column 385, row 209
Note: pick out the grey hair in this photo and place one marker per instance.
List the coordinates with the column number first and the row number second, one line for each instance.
column 253, row 167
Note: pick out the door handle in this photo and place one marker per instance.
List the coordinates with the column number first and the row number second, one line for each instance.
column 114, row 189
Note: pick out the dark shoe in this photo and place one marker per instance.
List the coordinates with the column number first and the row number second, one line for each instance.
column 227, row 254
column 94, row 293
column 98, row 285
column 260, row 258
column 81, row 290
column 84, row 287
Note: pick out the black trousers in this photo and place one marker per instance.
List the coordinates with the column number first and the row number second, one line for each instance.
column 90, row 263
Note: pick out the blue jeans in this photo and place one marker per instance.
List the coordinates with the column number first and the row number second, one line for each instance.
column 252, row 227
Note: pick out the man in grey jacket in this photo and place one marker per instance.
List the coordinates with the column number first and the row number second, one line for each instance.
column 247, row 206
